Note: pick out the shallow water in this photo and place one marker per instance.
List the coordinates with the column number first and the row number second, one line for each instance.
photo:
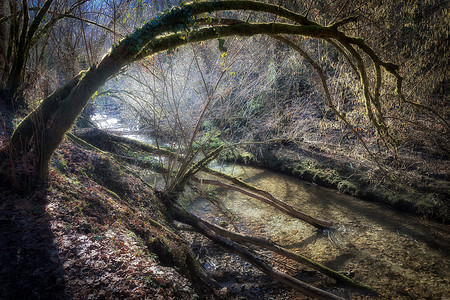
column 399, row 255
column 105, row 121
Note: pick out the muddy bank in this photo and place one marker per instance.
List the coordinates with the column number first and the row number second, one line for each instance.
column 423, row 189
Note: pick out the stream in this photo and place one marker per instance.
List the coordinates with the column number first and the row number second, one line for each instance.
column 401, row 256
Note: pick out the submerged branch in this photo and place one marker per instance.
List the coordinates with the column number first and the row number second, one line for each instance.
column 187, row 218
column 269, row 199
column 261, row 242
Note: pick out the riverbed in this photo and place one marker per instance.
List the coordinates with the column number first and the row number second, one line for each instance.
column 400, row 255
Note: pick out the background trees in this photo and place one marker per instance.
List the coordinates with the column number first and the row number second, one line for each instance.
column 271, row 95
column 25, row 28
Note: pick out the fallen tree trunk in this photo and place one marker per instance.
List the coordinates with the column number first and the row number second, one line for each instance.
column 101, row 138
column 287, row 209
column 261, row 242
column 309, row 290
column 275, row 201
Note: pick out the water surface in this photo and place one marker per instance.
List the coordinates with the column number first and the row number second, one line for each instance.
column 400, row 255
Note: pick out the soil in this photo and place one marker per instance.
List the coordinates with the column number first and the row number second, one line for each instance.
column 76, row 239
column 96, row 232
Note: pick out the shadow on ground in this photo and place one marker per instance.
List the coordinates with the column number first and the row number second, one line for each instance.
column 30, row 266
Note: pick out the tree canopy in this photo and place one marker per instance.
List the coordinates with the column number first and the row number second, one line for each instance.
column 176, row 27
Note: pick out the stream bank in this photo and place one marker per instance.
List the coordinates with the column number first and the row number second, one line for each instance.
column 93, row 231
column 401, row 256
column 423, row 189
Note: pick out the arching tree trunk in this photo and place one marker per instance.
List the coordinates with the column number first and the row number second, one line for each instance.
column 40, row 133
column 26, row 156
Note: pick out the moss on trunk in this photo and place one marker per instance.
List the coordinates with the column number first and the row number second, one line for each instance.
column 41, row 132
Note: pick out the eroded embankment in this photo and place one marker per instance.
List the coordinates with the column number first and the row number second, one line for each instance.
column 94, row 232
column 421, row 192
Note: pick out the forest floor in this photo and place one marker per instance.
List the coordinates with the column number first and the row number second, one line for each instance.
column 76, row 238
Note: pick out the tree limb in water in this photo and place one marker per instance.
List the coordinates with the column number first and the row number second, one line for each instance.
column 261, row 242
column 278, row 204
column 187, row 218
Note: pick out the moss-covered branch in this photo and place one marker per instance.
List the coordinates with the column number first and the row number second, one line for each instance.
column 172, row 41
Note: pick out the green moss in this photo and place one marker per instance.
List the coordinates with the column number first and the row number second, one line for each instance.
column 347, row 187
column 223, row 223
column 237, row 155
column 61, row 165
column 318, row 175
column 246, row 156
column 179, row 18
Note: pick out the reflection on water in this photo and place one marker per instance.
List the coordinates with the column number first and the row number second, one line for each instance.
column 401, row 256
column 105, row 121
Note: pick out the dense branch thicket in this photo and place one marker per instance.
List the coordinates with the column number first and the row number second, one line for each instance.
column 38, row 136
